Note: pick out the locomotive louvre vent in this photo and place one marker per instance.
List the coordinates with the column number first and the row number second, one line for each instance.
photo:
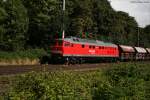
column 90, row 46
column 83, row 46
column 71, row 45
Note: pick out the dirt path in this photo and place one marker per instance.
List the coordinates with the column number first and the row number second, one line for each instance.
column 18, row 69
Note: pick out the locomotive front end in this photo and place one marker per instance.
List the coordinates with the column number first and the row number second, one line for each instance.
column 56, row 50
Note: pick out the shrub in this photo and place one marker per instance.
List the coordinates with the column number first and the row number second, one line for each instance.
column 52, row 86
column 121, row 82
column 30, row 54
column 126, row 82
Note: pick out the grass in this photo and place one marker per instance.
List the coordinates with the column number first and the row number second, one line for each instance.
column 21, row 57
column 31, row 54
column 124, row 81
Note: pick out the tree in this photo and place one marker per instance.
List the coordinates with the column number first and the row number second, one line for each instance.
column 44, row 20
column 81, row 17
column 92, row 16
column 117, row 27
column 15, row 24
column 145, row 36
column 124, row 28
column 3, row 16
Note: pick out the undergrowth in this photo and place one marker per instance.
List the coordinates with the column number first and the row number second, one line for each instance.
column 120, row 82
column 31, row 54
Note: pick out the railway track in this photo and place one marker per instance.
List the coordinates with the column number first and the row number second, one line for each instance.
column 18, row 69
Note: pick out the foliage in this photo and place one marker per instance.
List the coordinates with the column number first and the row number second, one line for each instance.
column 52, row 86
column 13, row 25
column 126, row 82
column 43, row 21
column 121, row 82
column 144, row 36
column 33, row 23
column 31, row 54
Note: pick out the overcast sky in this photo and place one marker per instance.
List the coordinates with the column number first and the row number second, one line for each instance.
column 140, row 9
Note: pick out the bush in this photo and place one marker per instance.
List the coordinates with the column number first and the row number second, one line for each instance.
column 121, row 82
column 53, row 86
column 126, row 82
column 30, row 54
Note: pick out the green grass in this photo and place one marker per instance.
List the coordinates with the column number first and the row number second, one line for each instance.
column 124, row 81
column 31, row 54
column 26, row 57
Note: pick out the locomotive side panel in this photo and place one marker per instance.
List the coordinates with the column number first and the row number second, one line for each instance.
column 85, row 50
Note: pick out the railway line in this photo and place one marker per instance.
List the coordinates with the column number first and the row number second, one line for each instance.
column 18, row 69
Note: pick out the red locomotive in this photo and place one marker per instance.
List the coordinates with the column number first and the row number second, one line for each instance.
column 75, row 50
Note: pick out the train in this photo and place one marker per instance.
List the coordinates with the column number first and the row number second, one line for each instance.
column 79, row 50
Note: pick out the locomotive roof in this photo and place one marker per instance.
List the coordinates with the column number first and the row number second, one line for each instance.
column 89, row 42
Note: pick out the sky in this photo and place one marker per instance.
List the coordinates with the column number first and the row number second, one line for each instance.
column 140, row 9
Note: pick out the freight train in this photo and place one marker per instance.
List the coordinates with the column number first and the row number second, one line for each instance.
column 78, row 50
